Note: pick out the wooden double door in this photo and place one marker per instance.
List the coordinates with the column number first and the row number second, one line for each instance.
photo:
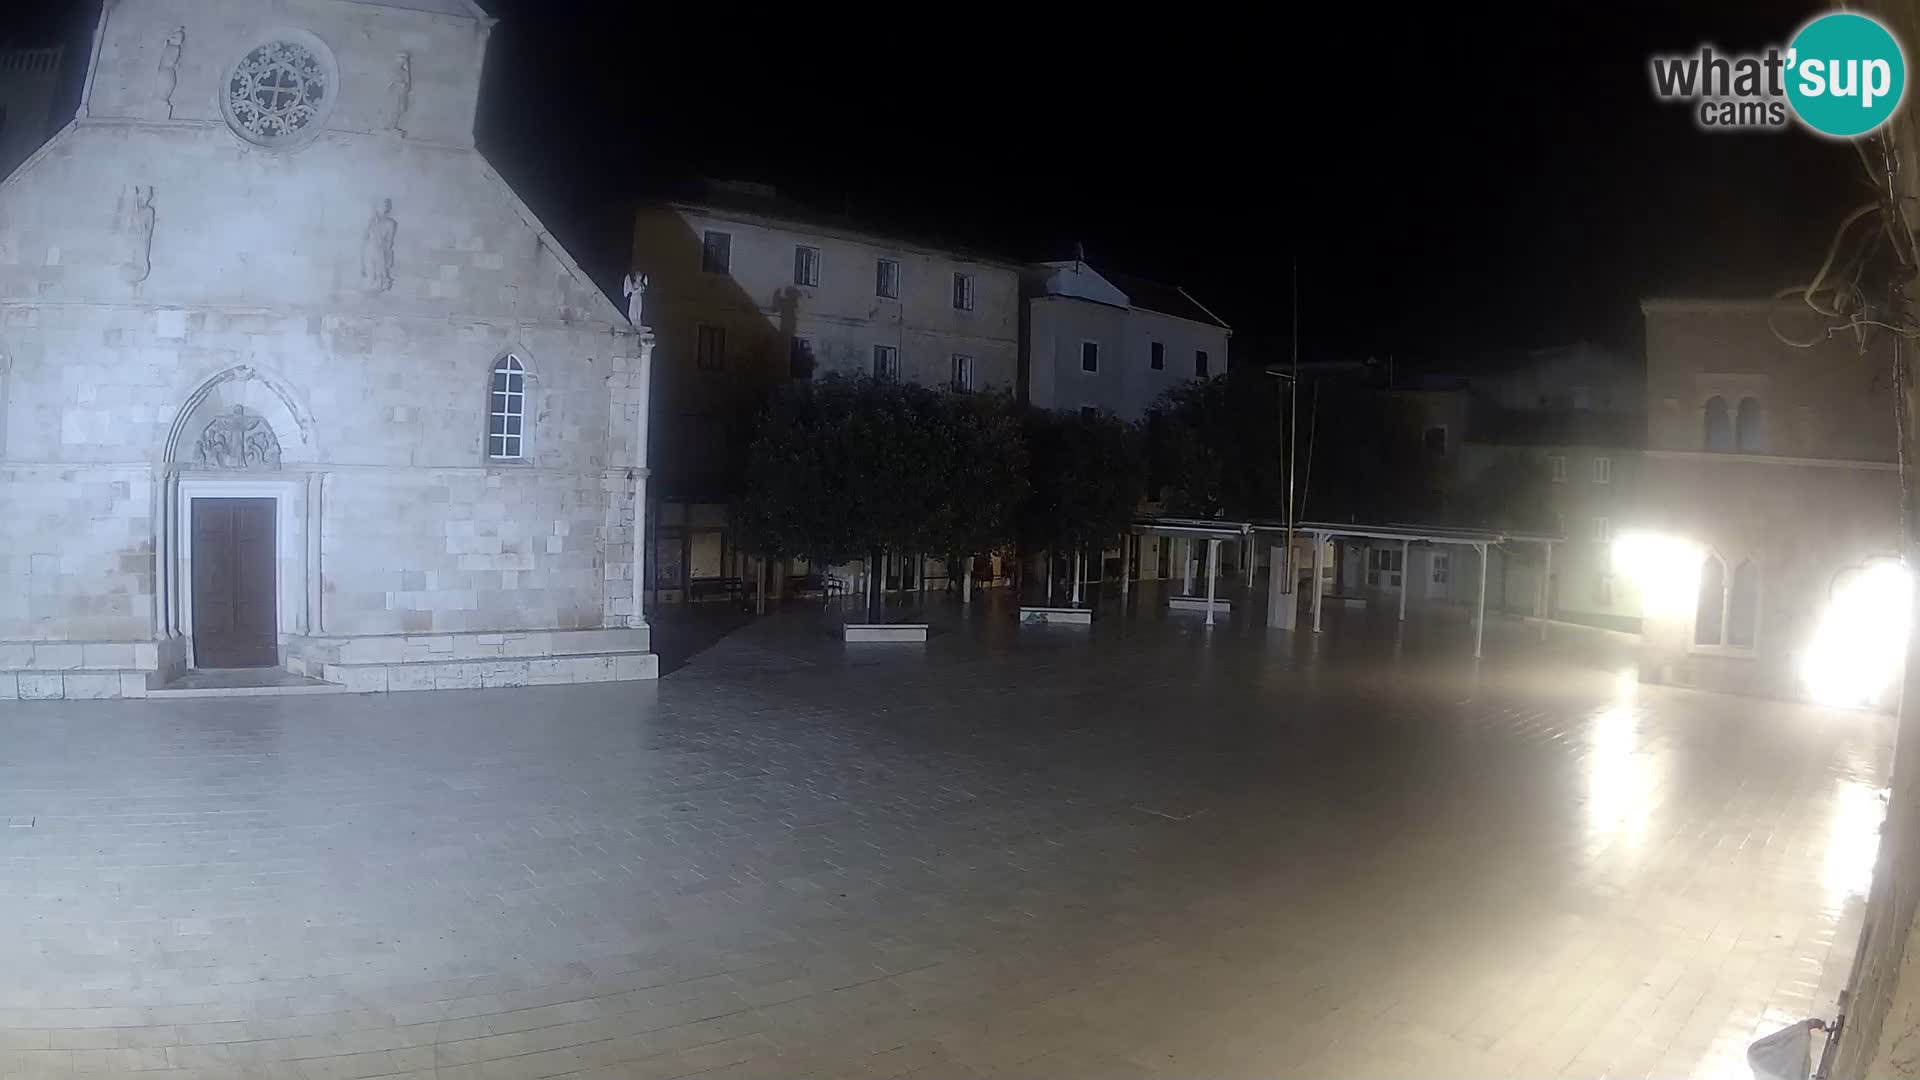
column 235, row 615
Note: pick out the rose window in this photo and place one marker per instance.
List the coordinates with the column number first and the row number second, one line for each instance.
column 277, row 92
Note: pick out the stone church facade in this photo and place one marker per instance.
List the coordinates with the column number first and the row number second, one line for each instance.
column 290, row 377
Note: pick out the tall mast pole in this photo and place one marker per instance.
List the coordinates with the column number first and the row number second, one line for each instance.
column 1293, row 416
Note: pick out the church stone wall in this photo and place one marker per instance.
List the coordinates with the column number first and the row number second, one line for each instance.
column 354, row 293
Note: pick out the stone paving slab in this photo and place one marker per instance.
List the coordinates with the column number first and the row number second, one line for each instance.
column 1152, row 850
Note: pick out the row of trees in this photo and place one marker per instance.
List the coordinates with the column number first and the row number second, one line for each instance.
column 845, row 468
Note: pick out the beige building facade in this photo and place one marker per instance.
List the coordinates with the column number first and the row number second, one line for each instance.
column 1771, row 490
column 289, row 377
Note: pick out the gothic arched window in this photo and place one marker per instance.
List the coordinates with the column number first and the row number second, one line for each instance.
column 507, row 410
column 1749, row 432
column 1719, row 426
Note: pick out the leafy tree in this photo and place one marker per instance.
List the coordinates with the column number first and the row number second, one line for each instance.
column 988, row 478
column 1511, row 493
column 1364, row 459
column 1088, row 474
column 1219, row 447
column 850, row 467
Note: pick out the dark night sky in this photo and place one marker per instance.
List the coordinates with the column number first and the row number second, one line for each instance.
column 1448, row 180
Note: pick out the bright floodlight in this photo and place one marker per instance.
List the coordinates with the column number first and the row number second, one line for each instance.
column 1666, row 569
column 1861, row 640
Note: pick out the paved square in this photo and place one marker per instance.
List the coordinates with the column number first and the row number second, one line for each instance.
column 1149, row 851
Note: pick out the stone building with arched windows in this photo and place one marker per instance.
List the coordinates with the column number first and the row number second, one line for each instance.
column 290, row 378
column 1769, row 502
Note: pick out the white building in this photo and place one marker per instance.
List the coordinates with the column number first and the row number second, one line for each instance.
column 746, row 291
column 289, row 376
column 1110, row 342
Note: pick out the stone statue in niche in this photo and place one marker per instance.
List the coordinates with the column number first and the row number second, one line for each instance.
column 399, row 95
column 139, row 230
column 635, row 290
column 169, row 77
column 238, row 440
column 376, row 253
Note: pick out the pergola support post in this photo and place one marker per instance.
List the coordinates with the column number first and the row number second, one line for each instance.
column 1480, row 612
column 1213, row 567
column 1319, row 558
column 1406, row 575
column 1546, row 592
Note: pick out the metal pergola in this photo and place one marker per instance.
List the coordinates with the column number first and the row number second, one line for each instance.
column 1216, row 530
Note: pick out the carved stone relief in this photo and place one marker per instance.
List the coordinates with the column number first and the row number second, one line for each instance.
column 399, row 95
column 168, row 78
column 237, row 440
column 139, row 233
column 376, row 251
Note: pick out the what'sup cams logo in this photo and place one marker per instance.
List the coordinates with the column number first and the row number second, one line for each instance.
column 1842, row 75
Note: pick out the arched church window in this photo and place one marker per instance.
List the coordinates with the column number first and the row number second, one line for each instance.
column 1719, row 426
column 1710, row 610
column 1749, row 426
column 280, row 92
column 507, row 410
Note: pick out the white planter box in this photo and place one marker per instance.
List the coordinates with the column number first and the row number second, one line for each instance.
column 1197, row 603
column 887, row 632
column 1057, row 616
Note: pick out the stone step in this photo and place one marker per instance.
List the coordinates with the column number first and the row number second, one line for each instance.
column 491, row 672
column 28, row 684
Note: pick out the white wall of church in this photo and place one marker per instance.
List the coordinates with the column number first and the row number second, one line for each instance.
column 264, row 260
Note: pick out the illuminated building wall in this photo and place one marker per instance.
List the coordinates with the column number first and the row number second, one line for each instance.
column 1770, row 473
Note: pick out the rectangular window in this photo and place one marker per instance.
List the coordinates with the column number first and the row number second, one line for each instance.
column 1157, row 355
column 712, row 354
column 886, row 362
column 886, row 278
column 1602, row 470
column 716, row 252
column 1557, row 467
column 962, row 372
column 1435, row 440
column 1442, row 567
column 1384, row 567
column 1089, row 356
column 1603, row 589
column 963, row 292
column 1200, row 363
column 806, row 265
column 800, row 362
column 1602, row 530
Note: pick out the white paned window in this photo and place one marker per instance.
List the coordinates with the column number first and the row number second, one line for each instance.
column 886, row 278
column 962, row 372
column 1557, row 466
column 806, row 265
column 1602, row 470
column 507, row 410
column 963, row 292
column 886, row 362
